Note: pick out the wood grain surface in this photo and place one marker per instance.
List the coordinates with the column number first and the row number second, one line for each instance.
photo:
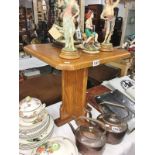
column 74, row 86
column 74, row 75
column 50, row 54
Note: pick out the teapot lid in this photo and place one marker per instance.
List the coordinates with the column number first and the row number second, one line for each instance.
column 112, row 119
column 113, row 123
column 29, row 104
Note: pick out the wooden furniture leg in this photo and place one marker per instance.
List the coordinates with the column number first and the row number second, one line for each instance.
column 74, row 86
column 124, row 65
column 124, row 68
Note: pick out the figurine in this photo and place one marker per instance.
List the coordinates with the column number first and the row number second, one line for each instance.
column 69, row 51
column 108, row 15
column 91, row 43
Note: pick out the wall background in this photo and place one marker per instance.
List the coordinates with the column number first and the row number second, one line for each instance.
column 120, row 6
column 28, row 4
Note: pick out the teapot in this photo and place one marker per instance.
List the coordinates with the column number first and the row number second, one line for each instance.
column 89, row 139
column 115, row 127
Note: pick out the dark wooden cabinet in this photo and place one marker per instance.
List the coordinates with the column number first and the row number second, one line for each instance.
column 116, row 37
column 97, row 9
column 26, row 26
column 22, row 19
column 52, row 12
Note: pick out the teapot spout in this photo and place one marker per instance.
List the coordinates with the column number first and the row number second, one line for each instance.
column 71, row 126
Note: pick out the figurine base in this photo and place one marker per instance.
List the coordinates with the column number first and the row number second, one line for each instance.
column 91, row 52
column 69, row 54
column 93, row 49
column 106, row 47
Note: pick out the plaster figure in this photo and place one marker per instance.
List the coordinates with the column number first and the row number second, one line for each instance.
column 70, row 12
column 89, row 30
column 108, row 15
column 90, row 43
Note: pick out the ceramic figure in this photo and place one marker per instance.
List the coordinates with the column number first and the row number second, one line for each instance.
column 71, row 11
column 91, row 42
column 108, row 15
column 68, row 23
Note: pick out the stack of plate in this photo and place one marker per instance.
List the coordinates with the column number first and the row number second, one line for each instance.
column 35, row 124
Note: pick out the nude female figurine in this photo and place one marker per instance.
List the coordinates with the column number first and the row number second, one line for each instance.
column 68, row 23
column 108, row 15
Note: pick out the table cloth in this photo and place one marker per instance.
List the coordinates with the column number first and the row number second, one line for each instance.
column 126, row 147
column 31, row 62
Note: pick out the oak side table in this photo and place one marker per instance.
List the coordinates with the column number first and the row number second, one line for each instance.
column 74, row 75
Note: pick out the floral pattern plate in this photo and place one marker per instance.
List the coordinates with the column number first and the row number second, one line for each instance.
column 31, row 134
column 57, row 146
column 33, row 143
column 33, row 125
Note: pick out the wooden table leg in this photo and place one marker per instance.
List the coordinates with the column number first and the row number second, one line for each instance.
column 124, row 65
column 74, row 86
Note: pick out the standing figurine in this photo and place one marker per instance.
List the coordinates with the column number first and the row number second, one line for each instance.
column 108, row 15
column 70, row 12
column 91, row 43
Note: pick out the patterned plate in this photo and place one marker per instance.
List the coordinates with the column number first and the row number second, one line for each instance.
column 28, row 127
column 32, row 143
column 57, row 146
column 27, row 134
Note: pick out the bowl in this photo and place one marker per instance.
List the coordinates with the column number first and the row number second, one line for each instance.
column 30, row 107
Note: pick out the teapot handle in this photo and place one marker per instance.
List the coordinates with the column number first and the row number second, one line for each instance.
column 101, row 124
column 88, row 110
column 116, row 105
column 72, row 128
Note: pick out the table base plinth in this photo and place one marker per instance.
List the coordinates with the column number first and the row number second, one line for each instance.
column 74, row 85
column 60, row 121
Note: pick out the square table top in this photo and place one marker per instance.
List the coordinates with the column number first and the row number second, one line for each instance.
column 50, row 55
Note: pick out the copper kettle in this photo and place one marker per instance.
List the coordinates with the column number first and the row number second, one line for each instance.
column 89, row 139
column 115, row 127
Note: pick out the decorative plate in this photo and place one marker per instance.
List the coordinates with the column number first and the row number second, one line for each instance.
column 33, row 143
column 27, row 126
column 31, row 134
column 57, row 146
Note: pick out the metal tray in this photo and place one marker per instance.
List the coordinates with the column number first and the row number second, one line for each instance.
column 117, row 97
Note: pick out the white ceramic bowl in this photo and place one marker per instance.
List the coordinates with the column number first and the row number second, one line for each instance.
column 30, row 107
